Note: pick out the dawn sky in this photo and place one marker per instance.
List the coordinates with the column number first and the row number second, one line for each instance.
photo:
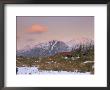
column 35, row 29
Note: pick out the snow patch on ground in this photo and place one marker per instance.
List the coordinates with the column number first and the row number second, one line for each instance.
column 34, row 70
column 88, row 62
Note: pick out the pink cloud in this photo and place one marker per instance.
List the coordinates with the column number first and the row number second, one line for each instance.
column 37, row 28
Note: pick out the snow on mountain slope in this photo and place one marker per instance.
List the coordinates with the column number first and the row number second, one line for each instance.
column 45, row 49
column 52, row 47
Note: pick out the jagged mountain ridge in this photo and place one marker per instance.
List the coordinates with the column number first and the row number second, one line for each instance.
column 44, row 49
column 51, row 48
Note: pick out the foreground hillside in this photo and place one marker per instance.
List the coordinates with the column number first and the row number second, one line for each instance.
column 80, row 59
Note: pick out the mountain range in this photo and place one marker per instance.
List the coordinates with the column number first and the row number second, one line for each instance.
column 51, row 48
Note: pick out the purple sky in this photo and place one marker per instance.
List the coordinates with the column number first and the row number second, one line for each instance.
column 34, row 29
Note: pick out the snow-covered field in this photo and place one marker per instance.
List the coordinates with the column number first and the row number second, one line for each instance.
column 34, row 70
